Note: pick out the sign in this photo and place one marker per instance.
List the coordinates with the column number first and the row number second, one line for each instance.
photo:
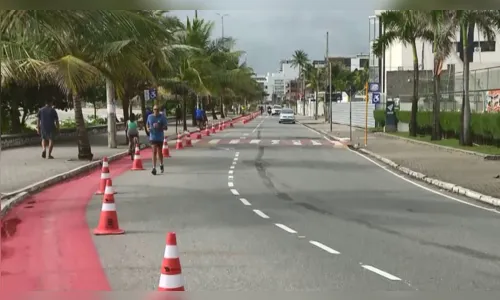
column 390, row 117
column 152, row 93
column 374, row 87
column 375, row 98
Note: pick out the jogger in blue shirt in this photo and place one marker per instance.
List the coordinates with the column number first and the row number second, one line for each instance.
column 156, row 124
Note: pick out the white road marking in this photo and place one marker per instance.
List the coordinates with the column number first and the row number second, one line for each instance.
column 315, row 143
column 237, row 154
column 297, row 143
column 235, row 159
column 381, row 273
column 234, row 163
column 245, row 202
column 254, row 141
column 275, row 142
column 261, row 214
column 213, row 142
column 246, row 134
column 232, row 167
column 194, row 141
column 286, row 228
column 231, row 172
column 234, row 142
column 324, row 247
column 230, row 177
column 235, row 192
column 230, row 184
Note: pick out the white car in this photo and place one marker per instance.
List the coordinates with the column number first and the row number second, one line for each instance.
column 287, row 116
column 276, row 110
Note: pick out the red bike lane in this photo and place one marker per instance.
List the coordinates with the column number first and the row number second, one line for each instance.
column 46, row 243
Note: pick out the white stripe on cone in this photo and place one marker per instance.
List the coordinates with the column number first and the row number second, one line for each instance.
column 137, row 156
column 104, row 175
column 108, row 207
column 105, row 164
column 109, row 190
column 171, row 252
column 171, row 281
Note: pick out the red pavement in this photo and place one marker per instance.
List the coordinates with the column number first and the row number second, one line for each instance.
column 46, row 242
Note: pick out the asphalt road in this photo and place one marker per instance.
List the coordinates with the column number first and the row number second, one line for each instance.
column 283, row 217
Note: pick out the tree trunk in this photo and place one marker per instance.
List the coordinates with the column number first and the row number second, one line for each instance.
column 303, row 85
column 184, row 112
column 84, row 150
column 222, row 115
column 194, row 105
column 467, row 136
column 436, row 108
column 212, row 106
column 110, row 100
column 126, row 104
column 414, row 103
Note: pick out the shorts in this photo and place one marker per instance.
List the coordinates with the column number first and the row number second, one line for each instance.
column 156, row 143
column 47, row 135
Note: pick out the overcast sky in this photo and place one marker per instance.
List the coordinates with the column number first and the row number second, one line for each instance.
column 271, row 35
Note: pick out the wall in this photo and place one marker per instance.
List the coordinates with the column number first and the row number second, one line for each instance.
column 310, row 108
column 340, row 114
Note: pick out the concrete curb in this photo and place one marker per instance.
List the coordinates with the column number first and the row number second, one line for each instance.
column 422, row 177
column 14, row 198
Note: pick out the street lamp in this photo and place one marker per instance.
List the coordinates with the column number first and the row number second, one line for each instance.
column 222, row 21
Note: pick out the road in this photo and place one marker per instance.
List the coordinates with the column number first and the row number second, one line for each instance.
column 271, row 207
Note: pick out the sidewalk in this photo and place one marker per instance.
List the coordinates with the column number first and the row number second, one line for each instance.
column 23, row 166
column 462, row 169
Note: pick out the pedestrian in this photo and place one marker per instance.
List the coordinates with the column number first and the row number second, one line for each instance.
column 47, row 126
column 132, row 131
column 178, row 114
column 156, row 124
column 199, row 117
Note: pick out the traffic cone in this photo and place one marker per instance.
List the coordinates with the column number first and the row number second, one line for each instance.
column 220, row 126
column 207, row 131
column 171, row 279
column 137, row 163
column 213, row 129
column 165, row 151
column 188, row 139
column 108, row 221
column 231, row 123
column 198, row 135
column 104, row 176
column 178, row 144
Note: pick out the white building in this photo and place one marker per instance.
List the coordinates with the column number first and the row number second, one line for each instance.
column 400, row 57
column 277, row 83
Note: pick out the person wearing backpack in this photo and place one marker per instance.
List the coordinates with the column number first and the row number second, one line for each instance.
column 132, row 130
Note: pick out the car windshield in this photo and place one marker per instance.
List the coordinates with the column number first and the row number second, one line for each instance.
column 287, row 111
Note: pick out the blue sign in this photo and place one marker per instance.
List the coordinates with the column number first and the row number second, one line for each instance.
column 375, row 98
column 374, row 87
column 152, row 93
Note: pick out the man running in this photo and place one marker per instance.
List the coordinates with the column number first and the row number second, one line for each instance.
column 156, row 124
column 47, row 124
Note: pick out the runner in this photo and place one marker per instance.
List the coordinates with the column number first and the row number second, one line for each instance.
column 156, row 125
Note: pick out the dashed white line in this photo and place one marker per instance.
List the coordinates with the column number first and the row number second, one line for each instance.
column 381, row 273
column 286, row 228
column 237, row 154
column 235, row 192
column 231, row 172
column 230, row 184
column 235, row 159
column 261, row 214
column 324, row 247
column 245, row 202
column 232, row 167
column 234, row 163
column 230, row 177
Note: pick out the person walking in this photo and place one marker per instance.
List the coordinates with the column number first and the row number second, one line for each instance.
column 156, row 125
column 47, row 125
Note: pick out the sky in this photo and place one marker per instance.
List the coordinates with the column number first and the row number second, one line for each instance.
column 274, row 34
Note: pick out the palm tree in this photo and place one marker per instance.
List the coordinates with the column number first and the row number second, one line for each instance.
column 314, row 77
column 406, row 26
column 300, row 59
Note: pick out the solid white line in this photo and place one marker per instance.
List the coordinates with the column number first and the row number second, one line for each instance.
column 230, row 184
column 235, row 192
column 381, row 273
column 261, row 214
column 231, row 172
column 324, row 247
column 286, row 228
column 245, row 202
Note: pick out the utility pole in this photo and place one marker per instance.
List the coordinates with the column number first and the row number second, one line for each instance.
column 330, row 107
column 196, row 14
column 222, row 21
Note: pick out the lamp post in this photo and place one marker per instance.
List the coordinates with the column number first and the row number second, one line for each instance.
column 222, row 21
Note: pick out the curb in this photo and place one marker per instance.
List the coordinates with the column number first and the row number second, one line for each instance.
column 16, row 197
column 422, row 177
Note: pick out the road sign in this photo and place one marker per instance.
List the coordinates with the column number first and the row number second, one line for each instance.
column 374, row 87
column 152, row 93
column 375, row 98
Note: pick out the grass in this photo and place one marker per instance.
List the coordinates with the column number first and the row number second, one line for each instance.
column 453, row 143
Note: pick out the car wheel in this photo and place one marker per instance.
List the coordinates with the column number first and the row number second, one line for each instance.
column 279, row 122
column 293, row 122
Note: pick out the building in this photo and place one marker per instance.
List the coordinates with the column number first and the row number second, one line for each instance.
column 278, row 84
column 352, row 63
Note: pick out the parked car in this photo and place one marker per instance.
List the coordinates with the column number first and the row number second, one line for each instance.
column 287, row 116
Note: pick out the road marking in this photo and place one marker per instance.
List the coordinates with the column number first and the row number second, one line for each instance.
column 324, row 247
column 235, row 192
column 261, row 214
column 213, row 142
column 246, row 134
column 232, row 167
column 315, row 143
column 275, row 142
column 234, row 163
column 234, row 142
column 254, row 141
column 245, row 202
column 381, row 273
column 194, row 141
column 231, row 172
column 311, row 130
column 297, row 143
column 237, row 154
column 235, row 159
column 230, row 177
column 230, row 184
column 286, row 228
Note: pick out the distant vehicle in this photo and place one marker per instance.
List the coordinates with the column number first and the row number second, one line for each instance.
column 276, row 110
column 287, row 116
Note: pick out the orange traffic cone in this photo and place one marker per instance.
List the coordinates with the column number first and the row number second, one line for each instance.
column 198, row 135
column 137, row 163
column 178, row 144
column 171, row 279
column 207, row 131
column 165, row 151
column 108, row 222
column 213, row 129
column 231, row 123
column 220, row 126
column 104, row 176
column 188, row 139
